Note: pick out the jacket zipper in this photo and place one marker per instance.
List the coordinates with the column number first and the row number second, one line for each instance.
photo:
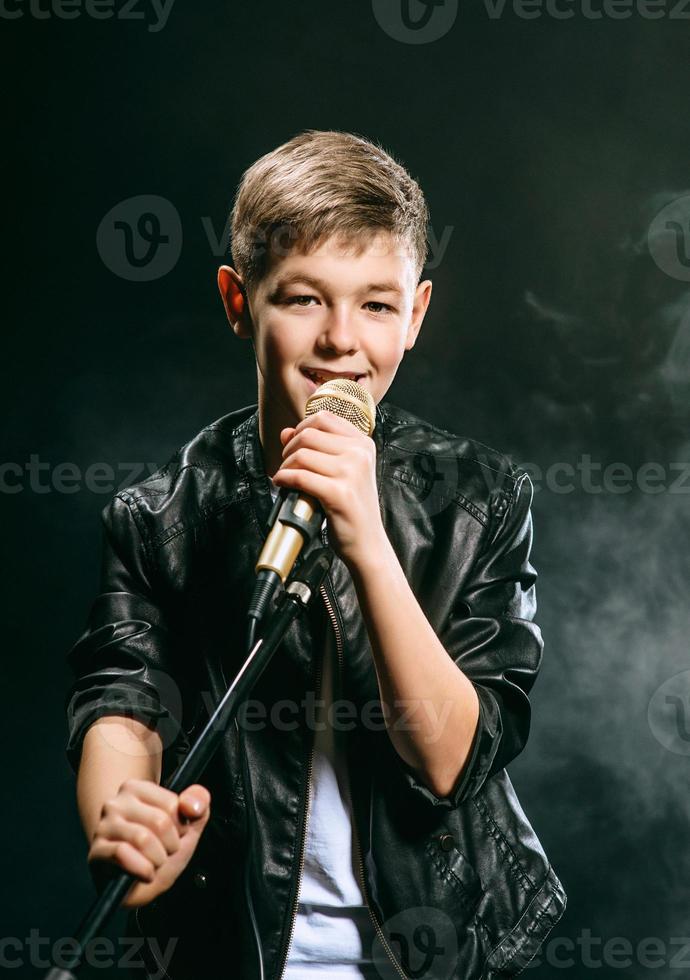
column 307, row 807
column 161, row 968
column 360, row 863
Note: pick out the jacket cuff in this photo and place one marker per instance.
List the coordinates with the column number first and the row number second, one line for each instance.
column 485, row 744
column 82, row 712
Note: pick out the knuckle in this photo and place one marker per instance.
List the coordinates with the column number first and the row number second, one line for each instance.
column 143, row 837
column 162, row 823
column 170, row 803
column 112, row 810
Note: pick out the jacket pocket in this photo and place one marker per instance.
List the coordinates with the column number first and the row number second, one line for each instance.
column 524, row 899
column 454, row 868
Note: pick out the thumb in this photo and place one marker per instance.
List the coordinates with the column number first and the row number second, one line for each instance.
column 195, row 802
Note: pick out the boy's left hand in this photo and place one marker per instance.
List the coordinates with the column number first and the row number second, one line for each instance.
column 328, row 457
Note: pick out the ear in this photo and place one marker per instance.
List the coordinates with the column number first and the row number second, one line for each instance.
column 234, row 296
column 419, row 307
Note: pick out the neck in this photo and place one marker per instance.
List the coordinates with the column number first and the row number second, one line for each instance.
column 272, row 455
column 272, row 419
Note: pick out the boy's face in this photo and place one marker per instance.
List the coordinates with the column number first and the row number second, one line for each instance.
column 331, row 311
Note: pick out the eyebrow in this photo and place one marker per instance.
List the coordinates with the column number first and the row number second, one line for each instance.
column 372, row 287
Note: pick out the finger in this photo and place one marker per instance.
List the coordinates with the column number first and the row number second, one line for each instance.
column 124, row 855
column 191, row 802
column 333, row 443
column 162, row 824
column 312, row 483
column 195, row 804
column 150, row 792
column 197, row 797
column 328, row 421
column 117, row 828
column 312, row 460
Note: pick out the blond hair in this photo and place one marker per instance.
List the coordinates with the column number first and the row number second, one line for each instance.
column 319, row 184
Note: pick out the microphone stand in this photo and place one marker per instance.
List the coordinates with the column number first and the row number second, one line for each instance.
column 298, row 593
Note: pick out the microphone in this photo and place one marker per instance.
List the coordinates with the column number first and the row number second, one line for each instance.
column 297, row 517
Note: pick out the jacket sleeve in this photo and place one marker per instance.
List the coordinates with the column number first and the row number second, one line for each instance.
column 124, row 663
column 491, row 636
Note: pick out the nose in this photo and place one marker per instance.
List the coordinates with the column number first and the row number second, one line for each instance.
column 338, row 333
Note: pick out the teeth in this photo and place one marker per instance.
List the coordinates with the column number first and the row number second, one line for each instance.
column 319, row 378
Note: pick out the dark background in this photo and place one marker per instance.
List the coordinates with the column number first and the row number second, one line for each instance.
column 546, row 147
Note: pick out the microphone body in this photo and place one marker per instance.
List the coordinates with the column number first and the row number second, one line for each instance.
column 297, row 517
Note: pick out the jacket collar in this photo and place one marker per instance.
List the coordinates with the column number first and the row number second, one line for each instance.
column 248, row 455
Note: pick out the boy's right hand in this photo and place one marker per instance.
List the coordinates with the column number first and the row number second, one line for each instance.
column 144, row 830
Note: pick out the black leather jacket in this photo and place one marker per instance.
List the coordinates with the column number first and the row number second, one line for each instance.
column 458, row 886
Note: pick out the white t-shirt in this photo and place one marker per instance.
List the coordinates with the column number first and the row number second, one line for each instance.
column 333, row 931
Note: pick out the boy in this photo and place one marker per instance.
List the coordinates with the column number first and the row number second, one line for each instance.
column 389, row 843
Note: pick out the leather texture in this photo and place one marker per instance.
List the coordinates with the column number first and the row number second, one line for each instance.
column 166, row 635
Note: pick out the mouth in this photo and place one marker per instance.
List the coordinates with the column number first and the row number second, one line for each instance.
column 318, row 377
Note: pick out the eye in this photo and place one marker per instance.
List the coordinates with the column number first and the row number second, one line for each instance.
column 297, row 300
column 383, row 307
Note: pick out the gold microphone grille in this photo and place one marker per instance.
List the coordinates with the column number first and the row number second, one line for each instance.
column 346, row 398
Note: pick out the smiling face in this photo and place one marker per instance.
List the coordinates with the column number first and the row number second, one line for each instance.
column 329, row 313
